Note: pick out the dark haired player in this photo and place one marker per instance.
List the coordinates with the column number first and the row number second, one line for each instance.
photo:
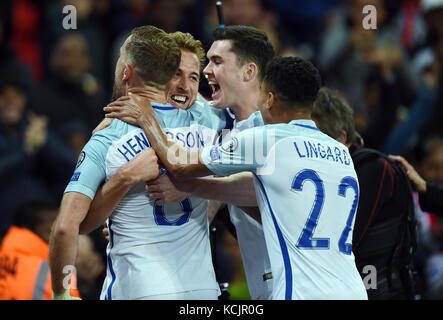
column 306, row 186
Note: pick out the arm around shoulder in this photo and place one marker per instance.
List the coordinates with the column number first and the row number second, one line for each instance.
column 143, row 167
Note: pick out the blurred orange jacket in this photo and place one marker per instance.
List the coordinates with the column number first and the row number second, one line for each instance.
column 24, row 267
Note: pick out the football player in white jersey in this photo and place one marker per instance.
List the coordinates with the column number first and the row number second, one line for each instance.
column 182, row 93
column 149, row 58
column 237, row 60
column 305, row 183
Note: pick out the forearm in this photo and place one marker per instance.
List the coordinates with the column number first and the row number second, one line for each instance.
column 181, row 163
column 63, row 242
column 237, row 189
column 143, row 167
column 64, row 246
column 105, row 201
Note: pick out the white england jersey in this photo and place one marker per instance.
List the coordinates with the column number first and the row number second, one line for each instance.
column 153, row 250
column 307, row 191
column 250, row 236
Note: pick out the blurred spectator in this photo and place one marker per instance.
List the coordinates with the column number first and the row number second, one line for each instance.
column 411, row 23
column 24, row 268
column 252, row 13
column 428, row 162
column 349, row 55
column 125, row 15
column 167, row 14
column 405, row 135
column 382, row 98
column 72, row 99
column 430, row 193
column 238, row 12
column 429, row 159
column 92, row 23
column 394, row 129
column 34, row 161
column 301, row 22
column 11, row 65
column 25, row 32
column 128, row 14
column 429, row 60
column 387, row 128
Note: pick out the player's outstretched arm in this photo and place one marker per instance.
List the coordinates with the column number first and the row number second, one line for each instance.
column 237, row 189
column 143, row 167
column 180, row 163
column 63, row 242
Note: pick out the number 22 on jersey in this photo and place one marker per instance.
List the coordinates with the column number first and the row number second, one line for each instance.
column 306, row 239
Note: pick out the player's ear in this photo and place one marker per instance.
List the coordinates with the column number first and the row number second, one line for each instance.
column 271, row 100
column 342, row 137
column 127, row 72
column 250, row 71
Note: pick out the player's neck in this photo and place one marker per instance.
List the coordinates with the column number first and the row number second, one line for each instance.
column 286, row 117
column 282, row 113
column 151, row 93
column 299, row 116
column 244, row 112
column 246, row 105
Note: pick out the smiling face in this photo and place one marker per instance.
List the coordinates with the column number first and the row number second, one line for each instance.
column 182, row 89
column 224, row 74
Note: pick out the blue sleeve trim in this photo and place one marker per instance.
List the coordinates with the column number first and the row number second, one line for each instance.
column 81, row 189
column 306, row 126
column 163, row 108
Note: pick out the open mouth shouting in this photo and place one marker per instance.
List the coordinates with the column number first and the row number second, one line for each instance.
column 215, row 89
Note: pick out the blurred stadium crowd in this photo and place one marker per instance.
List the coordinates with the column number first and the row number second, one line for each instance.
column 55, row 82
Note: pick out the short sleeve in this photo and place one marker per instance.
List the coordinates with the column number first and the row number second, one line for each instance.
column 244, row 152
column 90, row 170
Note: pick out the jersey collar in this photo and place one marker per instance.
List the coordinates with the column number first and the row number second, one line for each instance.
column 305, row 123
column 247, row 123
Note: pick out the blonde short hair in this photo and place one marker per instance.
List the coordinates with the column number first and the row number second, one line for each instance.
column 154, row 55
column 186, row 41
